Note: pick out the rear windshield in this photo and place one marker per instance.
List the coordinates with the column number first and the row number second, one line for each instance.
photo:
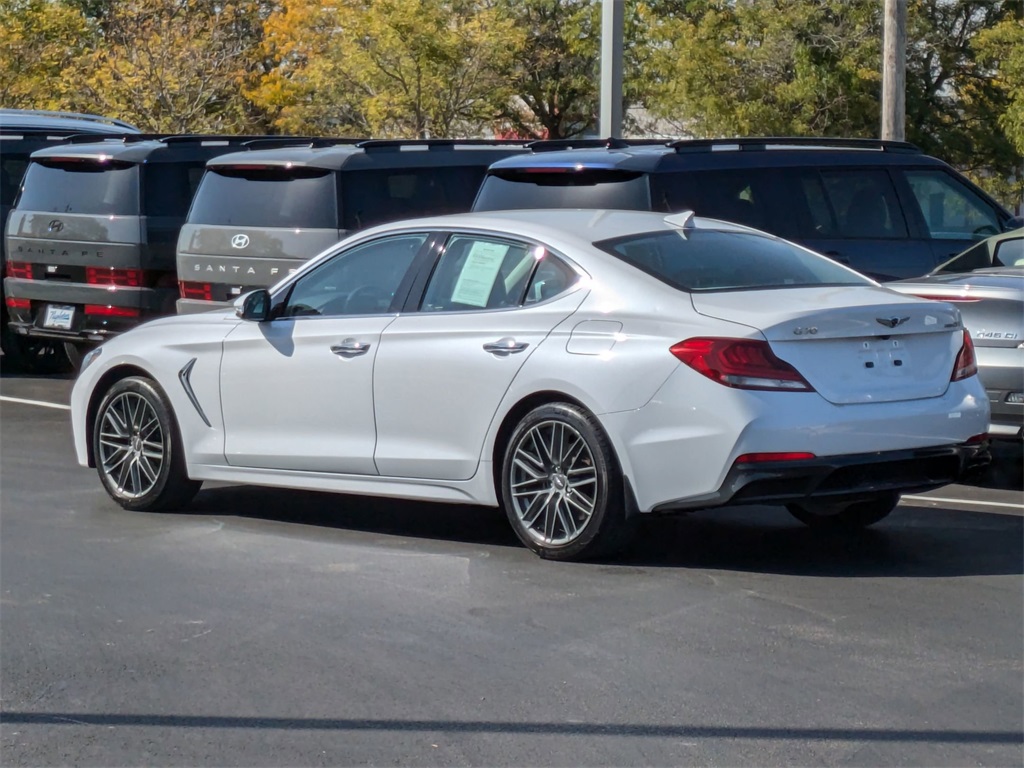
column 81, row 186
column 266, row 197
column 510, row 189
column 378, row 196
column 712, row 260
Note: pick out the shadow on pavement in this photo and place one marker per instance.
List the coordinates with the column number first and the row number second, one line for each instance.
column 912, row 542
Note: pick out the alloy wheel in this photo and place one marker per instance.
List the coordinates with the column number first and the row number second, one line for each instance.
column 131, row 445
column 554, row 483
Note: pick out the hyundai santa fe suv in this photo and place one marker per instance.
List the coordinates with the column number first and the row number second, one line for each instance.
column 91, row 236
column 22, row 132
column 258, row 215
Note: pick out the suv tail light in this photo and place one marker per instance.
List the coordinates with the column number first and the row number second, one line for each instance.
column 124, row 278
column 13, row 303
column 22, row 269
column 740, row 363
column 189, row 290
column 105, row 310
column 966, row 363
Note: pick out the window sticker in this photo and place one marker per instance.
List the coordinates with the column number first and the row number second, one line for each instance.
column 479, row 273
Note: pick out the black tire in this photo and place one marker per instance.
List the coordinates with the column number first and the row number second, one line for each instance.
column 76, row 353
column 137, row 448
column 561, row 485
column 22, row 353
column 849, row 515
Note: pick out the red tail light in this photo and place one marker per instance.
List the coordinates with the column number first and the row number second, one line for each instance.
column 740, row 363
column 13, row 303
column 105, row 310
column 966, row 363
column 760, row 458
column 202, row 291
column 125, row 278
column 20, row 269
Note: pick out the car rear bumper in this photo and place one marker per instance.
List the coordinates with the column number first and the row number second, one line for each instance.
column 837, row 477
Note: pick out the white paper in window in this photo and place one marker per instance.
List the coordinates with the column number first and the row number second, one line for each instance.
column 479, row 273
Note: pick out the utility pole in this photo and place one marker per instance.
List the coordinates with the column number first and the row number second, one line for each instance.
column 894, row 71
column 612, row 22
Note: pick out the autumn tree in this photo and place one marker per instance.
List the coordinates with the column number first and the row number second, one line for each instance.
column 40, row 40
column 391, row 68
column 171, row 65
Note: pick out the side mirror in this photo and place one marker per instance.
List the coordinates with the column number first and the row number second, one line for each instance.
column 254, row 305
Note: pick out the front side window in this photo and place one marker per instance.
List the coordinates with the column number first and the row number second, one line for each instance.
column 477, row 273
column 362, row 280
column 712, row 260
column 950, row 208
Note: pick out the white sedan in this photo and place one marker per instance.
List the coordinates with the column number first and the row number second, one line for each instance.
column 578, row 368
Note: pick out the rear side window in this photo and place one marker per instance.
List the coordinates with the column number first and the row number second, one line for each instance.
column 521, row 188
column 854, row 204
column 167, row 188
column 480, row 273
column 709, row 260
column 266, row 197
column 12, row 168
column 741, row 196
column 81, row 186
column 378, row 196
column 951, row 209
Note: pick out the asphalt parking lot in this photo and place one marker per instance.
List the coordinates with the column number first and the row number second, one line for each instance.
column 271, row 627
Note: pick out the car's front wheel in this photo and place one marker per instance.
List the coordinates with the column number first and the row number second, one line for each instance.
column 138, row 449
column 846, row 515
column 562, row 487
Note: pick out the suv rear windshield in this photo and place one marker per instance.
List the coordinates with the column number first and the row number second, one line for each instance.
column 266, row 197
column 510, row 189
column 714, row 260
column 86, row 186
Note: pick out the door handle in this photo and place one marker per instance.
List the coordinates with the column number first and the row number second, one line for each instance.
column 505, row 347
column 350, row 348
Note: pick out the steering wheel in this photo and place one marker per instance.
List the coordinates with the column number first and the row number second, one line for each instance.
column 986, row 229
column 365, row 300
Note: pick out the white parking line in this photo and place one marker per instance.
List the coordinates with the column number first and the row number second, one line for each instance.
column 40, row 403
column 964, row 501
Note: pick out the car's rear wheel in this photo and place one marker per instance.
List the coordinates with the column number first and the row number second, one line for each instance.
column 562, row 487
column 138, row 449
column 846, row 515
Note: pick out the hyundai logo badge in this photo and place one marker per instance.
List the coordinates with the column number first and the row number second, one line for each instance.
column 891, row 322
column 55, row 226
column 239, row 241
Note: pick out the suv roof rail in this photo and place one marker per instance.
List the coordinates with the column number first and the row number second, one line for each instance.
column 199, row 138
column 397, row 144
column 126, row 138
column 760, row 143
column 553, row 145
column 73, row 115
column 275, row 142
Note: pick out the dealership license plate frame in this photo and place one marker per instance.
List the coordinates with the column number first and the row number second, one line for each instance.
column 59, row 317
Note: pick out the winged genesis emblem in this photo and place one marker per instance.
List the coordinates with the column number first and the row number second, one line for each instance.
column 891, row 322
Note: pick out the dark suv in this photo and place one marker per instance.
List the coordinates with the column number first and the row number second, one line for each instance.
column 882, row 207
column 260, row 214
column 91, row 237
column 22, row 132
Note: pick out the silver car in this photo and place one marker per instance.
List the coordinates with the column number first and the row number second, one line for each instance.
column 986, row 282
